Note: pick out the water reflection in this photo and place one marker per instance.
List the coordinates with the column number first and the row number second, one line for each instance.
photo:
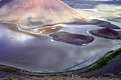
column 40, row 53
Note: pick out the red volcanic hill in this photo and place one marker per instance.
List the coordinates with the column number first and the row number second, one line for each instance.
column 44, row 11
column 38, row 13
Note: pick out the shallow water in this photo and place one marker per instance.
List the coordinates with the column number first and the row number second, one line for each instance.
column 42, row 54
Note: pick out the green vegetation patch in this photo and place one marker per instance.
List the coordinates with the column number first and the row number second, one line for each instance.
column 102, row 62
